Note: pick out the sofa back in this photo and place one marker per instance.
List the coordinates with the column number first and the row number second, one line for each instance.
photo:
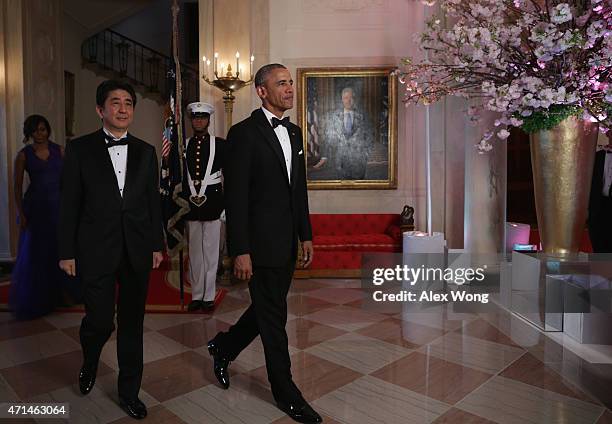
column 351, row 224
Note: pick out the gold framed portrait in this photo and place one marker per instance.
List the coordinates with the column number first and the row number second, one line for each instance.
column 348, row 118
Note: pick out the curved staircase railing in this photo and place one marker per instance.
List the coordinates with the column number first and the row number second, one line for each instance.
column 116, row 56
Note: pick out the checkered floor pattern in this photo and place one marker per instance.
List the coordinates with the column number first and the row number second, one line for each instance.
column 354, row 364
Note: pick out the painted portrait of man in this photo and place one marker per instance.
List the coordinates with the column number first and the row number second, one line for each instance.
column 347, row 129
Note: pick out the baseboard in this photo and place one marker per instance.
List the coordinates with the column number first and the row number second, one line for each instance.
column 5, row 256
column 301, row 274
column 327, row 273
column 6, row 266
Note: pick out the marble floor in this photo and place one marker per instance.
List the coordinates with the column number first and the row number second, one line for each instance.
column 353, row 363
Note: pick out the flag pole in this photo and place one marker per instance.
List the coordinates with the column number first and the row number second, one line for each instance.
column 181, row 282
column 179, row 121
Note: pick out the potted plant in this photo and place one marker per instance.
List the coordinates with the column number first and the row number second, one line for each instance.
column 544, row 66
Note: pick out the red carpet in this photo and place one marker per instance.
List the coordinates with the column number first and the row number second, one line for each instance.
column 163, row 296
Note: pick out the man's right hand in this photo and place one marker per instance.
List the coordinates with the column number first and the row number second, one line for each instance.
column 68, row 266
column 243, row 269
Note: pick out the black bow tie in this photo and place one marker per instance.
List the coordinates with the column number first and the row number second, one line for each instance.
column 284, row 122
column 111, row 142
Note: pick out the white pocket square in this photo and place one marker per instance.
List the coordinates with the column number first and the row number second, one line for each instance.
column 300, row 152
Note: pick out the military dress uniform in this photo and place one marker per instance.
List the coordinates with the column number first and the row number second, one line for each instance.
column 204, row 159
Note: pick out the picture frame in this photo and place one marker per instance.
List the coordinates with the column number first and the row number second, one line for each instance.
column 348, row 118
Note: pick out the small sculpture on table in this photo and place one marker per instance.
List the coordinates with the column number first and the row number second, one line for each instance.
column 407, row 219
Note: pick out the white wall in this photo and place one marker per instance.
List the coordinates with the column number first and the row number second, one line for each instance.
column 336, row 33
column 148, row 115
column 11, row 117
column 312, row 33
column 31, row 77
column 356, row 33
column 152, row 26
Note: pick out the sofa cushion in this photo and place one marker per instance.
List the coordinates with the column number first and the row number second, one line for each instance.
column 358, row 242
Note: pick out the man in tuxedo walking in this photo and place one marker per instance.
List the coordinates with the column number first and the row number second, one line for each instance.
column 267, row 215
column 600, row 201
column 110, row 230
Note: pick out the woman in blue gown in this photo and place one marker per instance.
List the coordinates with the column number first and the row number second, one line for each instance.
column 37, row 283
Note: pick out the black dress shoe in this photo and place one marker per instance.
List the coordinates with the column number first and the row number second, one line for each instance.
column 208, row 305
column 302, row 413
column 87, row 379
column 134, row 408
column 220, row 364
column 194, row 305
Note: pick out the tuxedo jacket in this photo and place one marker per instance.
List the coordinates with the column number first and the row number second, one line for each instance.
column 97, row 226
column 266, row 214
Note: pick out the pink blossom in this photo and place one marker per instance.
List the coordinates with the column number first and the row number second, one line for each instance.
column 515, row 66
column 503, row 134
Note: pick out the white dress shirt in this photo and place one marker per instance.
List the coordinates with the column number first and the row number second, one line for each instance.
column 118, row 156
column 607, row 175
column 283, row 136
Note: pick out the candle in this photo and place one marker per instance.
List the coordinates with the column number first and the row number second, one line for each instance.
column 237, row 63
column 205, row 70
column 216, row 63
column 207, row 67
column 251, row 65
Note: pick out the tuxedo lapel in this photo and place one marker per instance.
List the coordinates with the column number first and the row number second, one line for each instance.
column 295, row 153
column 270, row 136
column 133, row 159
column 108, row 171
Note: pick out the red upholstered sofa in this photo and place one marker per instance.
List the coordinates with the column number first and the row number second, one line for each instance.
column 339, row 240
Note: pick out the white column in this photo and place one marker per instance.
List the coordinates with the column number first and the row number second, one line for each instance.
column 206, row 47
column 43, row 61
column 454, row 122
column 485, row 191
column 31, row 81
column 11, row 117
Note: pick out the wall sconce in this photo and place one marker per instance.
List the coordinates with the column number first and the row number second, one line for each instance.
column 229, row 82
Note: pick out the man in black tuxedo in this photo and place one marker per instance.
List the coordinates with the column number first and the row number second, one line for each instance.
column 267, row 215
column 110, row 230
column 600, row 201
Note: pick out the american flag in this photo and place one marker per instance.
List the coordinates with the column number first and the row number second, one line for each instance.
column 174, row 202
column 171, row 115
column 169, row 125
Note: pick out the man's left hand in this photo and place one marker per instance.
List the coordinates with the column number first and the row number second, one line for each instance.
column 307, row 253
column 157, row 259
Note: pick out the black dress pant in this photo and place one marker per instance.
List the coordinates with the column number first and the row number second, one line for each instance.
column 267, row 317
column 98, row 323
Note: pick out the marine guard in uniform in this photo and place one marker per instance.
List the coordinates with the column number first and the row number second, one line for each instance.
column 204, row 159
